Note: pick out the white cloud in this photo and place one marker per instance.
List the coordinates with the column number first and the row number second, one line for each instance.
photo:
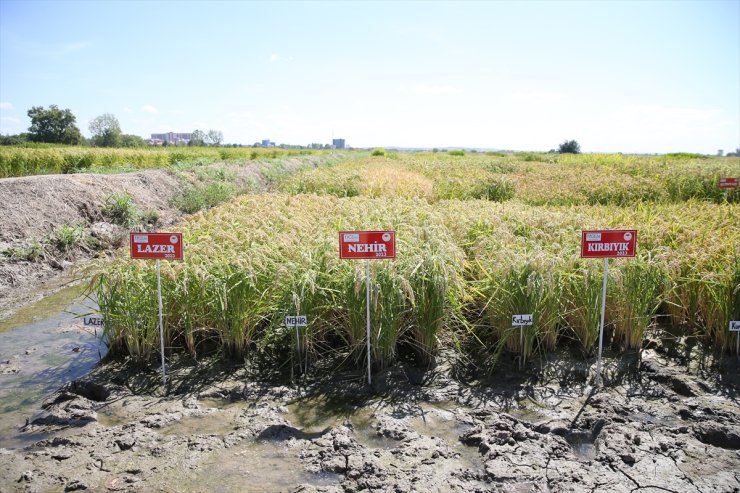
column 6, row 106
column 274, row 57
column 435, row 90
column 128, row 110
column 147, row 108
column 9, row 119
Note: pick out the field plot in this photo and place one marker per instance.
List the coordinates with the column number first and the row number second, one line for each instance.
column 54, row 159
column 479, row 238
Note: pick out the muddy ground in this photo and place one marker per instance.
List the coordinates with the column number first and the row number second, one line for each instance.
column 656, row 425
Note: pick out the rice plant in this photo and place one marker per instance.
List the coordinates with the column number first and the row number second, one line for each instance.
column 252, row 260
column 639, row 288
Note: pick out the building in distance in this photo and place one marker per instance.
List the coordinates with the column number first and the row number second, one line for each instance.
column 171, row 138
column 337, row 143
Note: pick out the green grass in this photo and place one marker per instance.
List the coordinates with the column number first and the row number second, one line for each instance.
column 119, row 208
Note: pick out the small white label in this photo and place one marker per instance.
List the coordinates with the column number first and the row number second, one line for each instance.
column 627, row 236
column 519, row 320
column 95, row 320
column 296, row 320
column 141, row 238
column 351, row 237
column 593, row 236
column 173, row 239
column 735, row 326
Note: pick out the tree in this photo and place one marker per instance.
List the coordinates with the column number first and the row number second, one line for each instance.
column 214, row 137
column 128, row 140
column 197, row 138
column 569, row 147
column 105, row 130
column 12, row 140
column 54, row 126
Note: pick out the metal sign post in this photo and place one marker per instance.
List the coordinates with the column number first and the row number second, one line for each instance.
column 601, row 323
column 367, row 303
column 367, row 245
column 161, row 325
column 164, row 246
column 607, row 244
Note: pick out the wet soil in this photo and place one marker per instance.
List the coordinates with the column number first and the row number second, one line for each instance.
column 655, row 425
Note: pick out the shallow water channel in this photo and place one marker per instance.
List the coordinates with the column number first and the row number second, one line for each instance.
column 42, row 347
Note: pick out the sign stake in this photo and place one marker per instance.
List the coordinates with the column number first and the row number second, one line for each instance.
column 601, row 324
column 298, row 345
column 161, row 325
column 164, row 246
column 367, row 292
column 367, row 245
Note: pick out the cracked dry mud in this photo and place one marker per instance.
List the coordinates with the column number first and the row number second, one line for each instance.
column 661, row 428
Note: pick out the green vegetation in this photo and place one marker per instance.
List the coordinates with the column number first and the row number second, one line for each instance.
column 53, row 126
column 31, row 252
column 67, row 237
column 106, row 131
column 120, row 209
column 569, row 147
column 479, row 237
column 22, row 161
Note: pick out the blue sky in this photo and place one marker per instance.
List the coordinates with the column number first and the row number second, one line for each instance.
column 616, row 76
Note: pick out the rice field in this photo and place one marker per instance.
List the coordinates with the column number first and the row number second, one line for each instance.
column 479, row 239
column 24, row 161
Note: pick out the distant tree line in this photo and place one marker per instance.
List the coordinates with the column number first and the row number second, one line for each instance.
column 53, row 125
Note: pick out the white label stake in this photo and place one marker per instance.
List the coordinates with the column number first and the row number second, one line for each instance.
column 735, row 327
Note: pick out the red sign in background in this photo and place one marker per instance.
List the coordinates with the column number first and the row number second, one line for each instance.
column 164, row 246
column 728, row 182
column 608, row 243
column 367, row 244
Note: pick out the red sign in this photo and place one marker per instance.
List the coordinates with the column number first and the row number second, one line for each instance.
column 367, row 244
column 608, row 243
column 165, row 246
column 728, row 182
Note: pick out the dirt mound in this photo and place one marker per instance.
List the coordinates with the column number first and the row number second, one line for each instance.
column 35, row 206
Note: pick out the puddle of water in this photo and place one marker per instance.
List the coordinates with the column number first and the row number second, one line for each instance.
column 44, row 308
column 110, row 416
column 42, row 347
column 252, row 467
column 437, row 421
column 220, row 422
column 582, row 447
column 318, row 414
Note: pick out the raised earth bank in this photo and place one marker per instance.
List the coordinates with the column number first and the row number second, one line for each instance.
column 656, row 426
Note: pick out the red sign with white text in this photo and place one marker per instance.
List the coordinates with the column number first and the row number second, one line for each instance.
column 608, row 243
column 165, row 246
column 728, row 182
column 367, row 244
